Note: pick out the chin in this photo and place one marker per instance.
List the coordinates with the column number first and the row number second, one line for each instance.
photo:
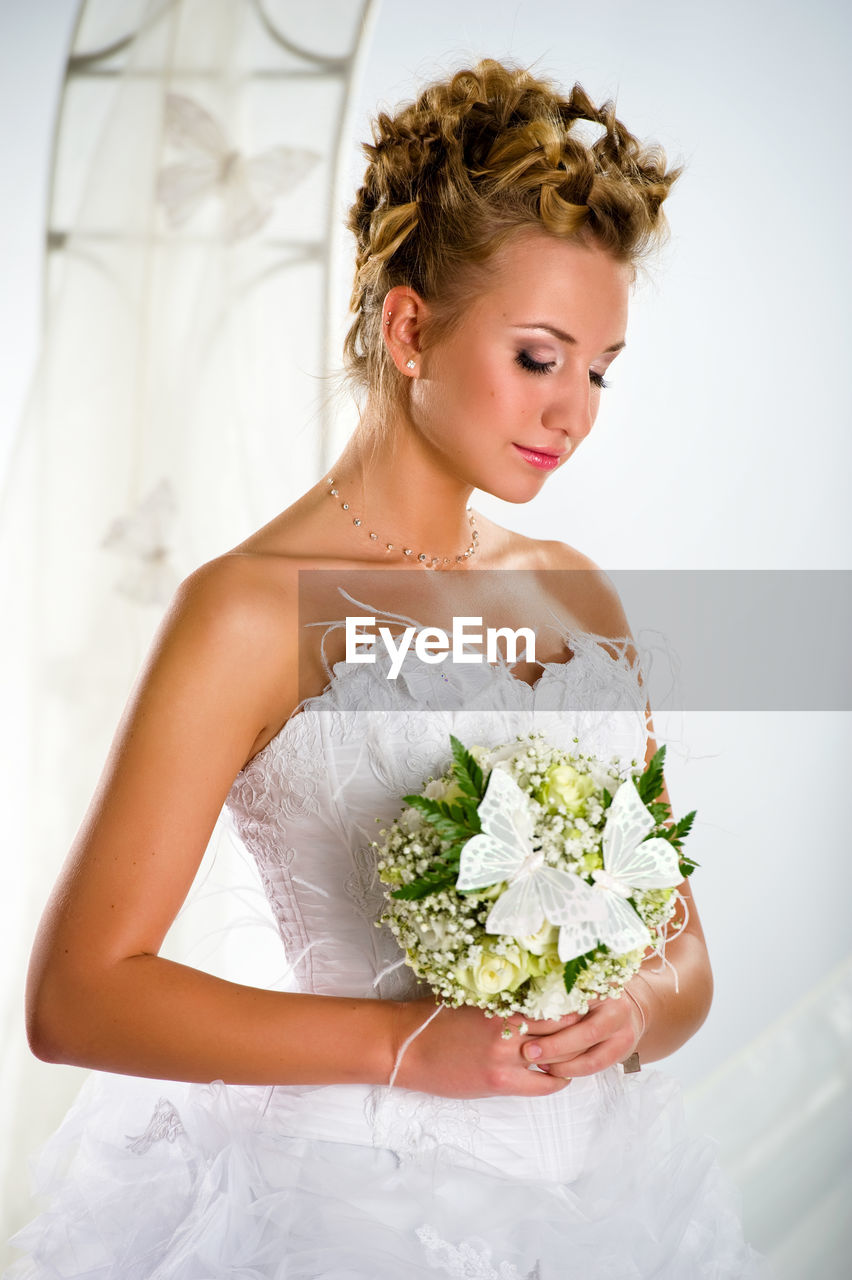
column 518, row 491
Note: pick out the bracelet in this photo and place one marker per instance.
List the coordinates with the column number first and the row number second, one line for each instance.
column 632, row 1063
column 630, row 996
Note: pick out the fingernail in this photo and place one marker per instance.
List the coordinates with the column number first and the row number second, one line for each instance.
column 532, row 1050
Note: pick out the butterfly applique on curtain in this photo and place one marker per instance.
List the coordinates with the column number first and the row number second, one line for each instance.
column 145, row 538
column 211, row 168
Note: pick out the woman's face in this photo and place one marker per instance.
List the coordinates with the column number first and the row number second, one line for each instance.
column 507, row 397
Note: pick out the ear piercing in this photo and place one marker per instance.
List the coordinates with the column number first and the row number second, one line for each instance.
column 409, row 364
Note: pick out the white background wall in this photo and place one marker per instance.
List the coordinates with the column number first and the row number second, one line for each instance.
column 724, row 441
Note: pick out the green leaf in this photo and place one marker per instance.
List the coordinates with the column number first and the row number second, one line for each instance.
column 575, row 967
column 650, row 784
column 432, row 882
column 451, row 856
column 682, row 828
column 472, row 818
column 439, row 815
column 465, row 814
column 467, row 772
column 677, row 833
column 687, row 866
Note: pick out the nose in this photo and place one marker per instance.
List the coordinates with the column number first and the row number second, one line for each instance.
column 571, row 413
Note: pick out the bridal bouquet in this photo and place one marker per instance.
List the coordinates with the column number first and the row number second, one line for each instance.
column 529, row 880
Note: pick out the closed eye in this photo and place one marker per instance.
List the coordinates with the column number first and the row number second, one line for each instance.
column 525, row 360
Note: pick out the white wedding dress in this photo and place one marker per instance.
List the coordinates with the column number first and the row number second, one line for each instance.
column 151, row 1180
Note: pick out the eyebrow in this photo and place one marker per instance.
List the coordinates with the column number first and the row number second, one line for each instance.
column 565, row 337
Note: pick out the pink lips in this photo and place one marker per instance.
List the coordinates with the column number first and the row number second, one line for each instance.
column 546, row 461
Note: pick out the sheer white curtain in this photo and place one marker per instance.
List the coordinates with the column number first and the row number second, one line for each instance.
column 180, row 400
column 180, row 392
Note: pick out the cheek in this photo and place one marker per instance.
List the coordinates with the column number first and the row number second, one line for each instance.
column 447, row 406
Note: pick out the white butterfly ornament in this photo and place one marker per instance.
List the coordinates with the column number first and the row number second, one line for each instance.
column 247, row 186
column 630, row 862
column 145, row 537
column 506, row 850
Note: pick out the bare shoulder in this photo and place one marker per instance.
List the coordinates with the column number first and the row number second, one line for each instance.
column 235, row 620
column 587, row 589
column 241, row 592
column 584, row 593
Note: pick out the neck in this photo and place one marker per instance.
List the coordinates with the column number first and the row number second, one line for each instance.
column 405, row 493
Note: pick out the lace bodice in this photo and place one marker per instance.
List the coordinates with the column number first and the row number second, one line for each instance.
column 308, row 804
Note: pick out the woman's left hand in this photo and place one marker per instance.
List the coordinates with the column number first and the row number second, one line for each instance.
column 607, row 1034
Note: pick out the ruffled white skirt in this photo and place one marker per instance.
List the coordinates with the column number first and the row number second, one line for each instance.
column 149, row 1180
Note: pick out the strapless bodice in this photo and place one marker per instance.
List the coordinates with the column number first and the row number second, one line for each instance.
column 308, row 805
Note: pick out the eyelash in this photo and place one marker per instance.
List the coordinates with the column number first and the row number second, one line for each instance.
column 525, row 360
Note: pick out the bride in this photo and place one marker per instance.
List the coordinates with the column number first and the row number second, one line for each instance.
column 496, row 249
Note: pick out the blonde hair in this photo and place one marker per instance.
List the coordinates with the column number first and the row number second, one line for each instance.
column 473, row 160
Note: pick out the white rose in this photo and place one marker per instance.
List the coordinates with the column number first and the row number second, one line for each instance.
column 437, row 789
column 565, row 788
column 491, row 974
column 539, row 941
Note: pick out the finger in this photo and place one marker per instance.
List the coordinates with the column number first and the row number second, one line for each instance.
column 546, row 1083
column 556, row 1074
column 563, row 1046
column 606, row 1021
column 549, row 1026
column 605, row 1053
column 589, row 1064
column 534, row 1083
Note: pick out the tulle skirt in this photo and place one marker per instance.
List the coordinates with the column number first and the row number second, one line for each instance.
column 149, row 1180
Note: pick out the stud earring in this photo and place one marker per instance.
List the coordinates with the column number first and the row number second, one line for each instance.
column 409, row 364
column 388, row 319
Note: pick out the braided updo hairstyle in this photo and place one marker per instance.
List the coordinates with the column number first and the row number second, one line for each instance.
column 452, row 175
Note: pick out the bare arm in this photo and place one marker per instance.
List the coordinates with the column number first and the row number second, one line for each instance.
column 221, row 672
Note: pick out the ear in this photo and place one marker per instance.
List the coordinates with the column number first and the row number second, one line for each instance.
column 403, row 316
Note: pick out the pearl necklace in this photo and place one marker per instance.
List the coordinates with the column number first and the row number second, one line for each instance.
column 431, row 561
